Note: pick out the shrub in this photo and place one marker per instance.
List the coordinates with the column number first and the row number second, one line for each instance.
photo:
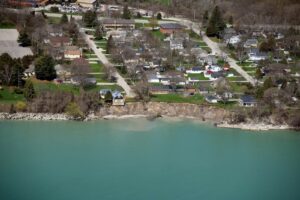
column 74, row 111
column 21, row 106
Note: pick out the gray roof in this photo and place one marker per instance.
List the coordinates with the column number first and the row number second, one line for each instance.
column 248, row 99
column 118, row 21
column 171, row 26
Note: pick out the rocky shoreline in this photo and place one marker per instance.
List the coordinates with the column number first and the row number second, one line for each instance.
column 151, row 111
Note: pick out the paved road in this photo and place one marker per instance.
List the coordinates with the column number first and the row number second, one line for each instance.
column 216, row 49
column 120, row 80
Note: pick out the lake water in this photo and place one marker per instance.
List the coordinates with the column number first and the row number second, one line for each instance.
column 142, row 160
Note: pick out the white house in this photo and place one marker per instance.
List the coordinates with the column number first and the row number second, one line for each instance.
column 234, row 40
column 86, row 3
column 256, row 55
column 194, row 70
column 213, row 68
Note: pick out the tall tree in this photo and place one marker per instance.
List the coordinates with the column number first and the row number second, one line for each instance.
column 205, row 18
column 99, row 32
column 216, row 23
column 126, row 12
column 90, row 18
column 44, row 68
column 110, row 45
column 29, row 91
column 24, row 39
column 64, row 19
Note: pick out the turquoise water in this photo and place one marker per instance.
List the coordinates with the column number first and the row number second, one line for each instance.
column 142, row 160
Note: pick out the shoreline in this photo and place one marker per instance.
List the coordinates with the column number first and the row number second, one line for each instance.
column 91, row 117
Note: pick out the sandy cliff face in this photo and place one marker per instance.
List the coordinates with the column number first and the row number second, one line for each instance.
column 205, row 113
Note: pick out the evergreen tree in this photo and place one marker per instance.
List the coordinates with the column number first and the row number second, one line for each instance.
column 90, row 18
column 138, row 15
column 159, row 17
column 108, row 97
column 44, row 68
column 258, row 73
column 216, row 24
column 205, row 18
column 64, row 19
column 98, row 33
column 126, row 12
column 110, row 45
column 24, row 39
column 29, row 91
column 230, row 20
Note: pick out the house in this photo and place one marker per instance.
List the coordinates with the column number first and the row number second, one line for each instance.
column 170, row 28
column 118, row 99
column 247, row 101
column 72, row 52
column 256, row 55
column 160, row 89
column 210, row 60
column 211, row 99
column 86, row 3
column 213, row 68
column 152, row 77
column 118, row 24
column 27, row 3
column 194, row 70
column 29, row 71
column 176, row 44
column 251, row 43
column 59, row 41
column 233, row 40
column 103, row 92
column 228, row 33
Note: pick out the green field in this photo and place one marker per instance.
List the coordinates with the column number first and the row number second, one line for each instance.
column 177, row 98
column 199, row 76
column 7, row 25
column 95, row 68
column 7, row 95
column 158, row 35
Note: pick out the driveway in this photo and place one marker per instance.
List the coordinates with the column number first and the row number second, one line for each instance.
column 120, row 80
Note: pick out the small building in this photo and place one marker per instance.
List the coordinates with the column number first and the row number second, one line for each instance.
column 118, row 98
column 211, row 99
column 160, row 89
column 86, row 3
column 251, row 43
column 256, row 55
column 247, row 101
column 170, row 28
column 72, row 52
column 176, row 44
column 118, row 24
column 194, row 70
column 59, row 41
column 27, row 3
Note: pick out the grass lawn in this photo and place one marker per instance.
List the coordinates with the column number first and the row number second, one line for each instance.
column 87, row 55
column 158, row 35
column 202, row 44
column 8, row 96
column 238, row 87
column 177, row 98
column 53, row 20
column 214, row 39
column 100, row 78
column 207, row 49
column 112, row 87
column 40, row 86
column 236, row 78
column 102, row 45
column 7, row 25
column 96, row 67
column 199, row 76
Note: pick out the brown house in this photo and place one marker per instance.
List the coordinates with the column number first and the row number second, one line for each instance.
column 171, row 28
